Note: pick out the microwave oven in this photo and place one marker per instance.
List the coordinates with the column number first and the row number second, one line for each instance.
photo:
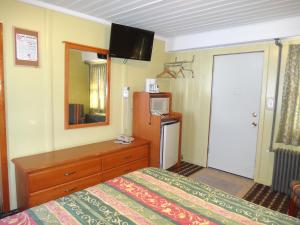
column 159, row 106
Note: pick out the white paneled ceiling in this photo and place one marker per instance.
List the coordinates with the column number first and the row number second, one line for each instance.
column 171, row 18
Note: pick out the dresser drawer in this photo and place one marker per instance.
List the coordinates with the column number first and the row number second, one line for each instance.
column 125, row 169
column 53, row 193
column 127, row 156
column 63, row 174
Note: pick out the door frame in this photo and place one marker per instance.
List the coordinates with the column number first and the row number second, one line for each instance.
column 261, row 105
column 3, row 144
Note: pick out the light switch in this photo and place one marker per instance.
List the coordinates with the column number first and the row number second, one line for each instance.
column 126, row 92
column 270, row 103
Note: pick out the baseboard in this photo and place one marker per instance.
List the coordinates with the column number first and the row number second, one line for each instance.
column 263, row 181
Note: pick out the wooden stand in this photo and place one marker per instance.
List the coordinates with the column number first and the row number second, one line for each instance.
column 48, row 176
column 148, row 126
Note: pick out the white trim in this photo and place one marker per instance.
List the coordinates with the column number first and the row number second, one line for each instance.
column 265, row 31
column 65, row 11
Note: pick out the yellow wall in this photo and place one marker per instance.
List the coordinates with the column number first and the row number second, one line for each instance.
column 79, row 85
column 35, row 96
column 192, row 97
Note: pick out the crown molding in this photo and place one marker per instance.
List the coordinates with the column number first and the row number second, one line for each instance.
column 65, row 11
column 75, row 13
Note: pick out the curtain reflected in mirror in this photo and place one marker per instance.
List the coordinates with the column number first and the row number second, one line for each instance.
column 97, row 74
column 88, row 88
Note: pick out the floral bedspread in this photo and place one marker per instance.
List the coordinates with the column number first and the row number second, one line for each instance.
column 149, row 196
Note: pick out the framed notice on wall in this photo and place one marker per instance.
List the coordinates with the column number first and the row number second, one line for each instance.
column 26, row 47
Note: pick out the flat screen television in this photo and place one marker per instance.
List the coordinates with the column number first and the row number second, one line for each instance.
column 130, row 42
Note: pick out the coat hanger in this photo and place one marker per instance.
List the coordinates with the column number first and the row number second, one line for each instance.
column 176, row 64
column 180, row 71
column 168, row 72
column 192, row 71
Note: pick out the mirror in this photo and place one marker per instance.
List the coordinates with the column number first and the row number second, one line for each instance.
column 87, row 76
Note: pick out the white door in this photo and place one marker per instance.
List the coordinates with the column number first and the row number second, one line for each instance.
column 235, row 107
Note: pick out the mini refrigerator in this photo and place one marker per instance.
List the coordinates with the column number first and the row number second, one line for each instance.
column 169, row 143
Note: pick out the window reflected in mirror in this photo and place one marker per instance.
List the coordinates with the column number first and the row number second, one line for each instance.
column 87, row 83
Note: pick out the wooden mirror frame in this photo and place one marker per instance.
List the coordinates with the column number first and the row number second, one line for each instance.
column 68, row 47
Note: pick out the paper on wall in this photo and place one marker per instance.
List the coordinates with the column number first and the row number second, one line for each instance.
column 26, row 47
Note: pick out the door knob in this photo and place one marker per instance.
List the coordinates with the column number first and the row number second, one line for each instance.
column 254, row 114
column 254, row 124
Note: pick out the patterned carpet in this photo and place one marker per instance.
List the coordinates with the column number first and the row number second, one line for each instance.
column 263, row 195
column 258, row 194
column 185, row 168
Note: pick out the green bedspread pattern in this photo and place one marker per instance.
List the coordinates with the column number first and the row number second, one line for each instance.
column 149, row 196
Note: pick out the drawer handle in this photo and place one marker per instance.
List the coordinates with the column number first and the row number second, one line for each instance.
column 128, row 157
column 70, row 190
column 71, row 173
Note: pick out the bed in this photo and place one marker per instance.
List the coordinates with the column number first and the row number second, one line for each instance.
column 149, row 196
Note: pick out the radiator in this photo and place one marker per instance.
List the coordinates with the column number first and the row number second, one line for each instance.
column 286, row 169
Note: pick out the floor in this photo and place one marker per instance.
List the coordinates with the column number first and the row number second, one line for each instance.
column 185, row 168
column 227, row 182
column 264, row 196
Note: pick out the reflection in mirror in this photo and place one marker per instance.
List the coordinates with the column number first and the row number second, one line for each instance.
column 87, row 82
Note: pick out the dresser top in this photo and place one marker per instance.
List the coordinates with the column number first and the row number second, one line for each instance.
column 59, row 157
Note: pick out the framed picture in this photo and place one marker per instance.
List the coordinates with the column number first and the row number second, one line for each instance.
column 26, row 47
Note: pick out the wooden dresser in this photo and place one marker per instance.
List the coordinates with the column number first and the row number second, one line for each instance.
column 47, row 176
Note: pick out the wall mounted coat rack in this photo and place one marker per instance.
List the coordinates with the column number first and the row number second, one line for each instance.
column 167, row 73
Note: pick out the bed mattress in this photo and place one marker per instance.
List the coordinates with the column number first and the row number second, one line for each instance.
column 149, row 196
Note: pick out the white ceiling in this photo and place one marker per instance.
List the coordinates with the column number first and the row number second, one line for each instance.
column 171, row 18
